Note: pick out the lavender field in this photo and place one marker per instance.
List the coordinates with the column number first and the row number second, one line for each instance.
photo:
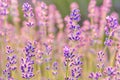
column 38, row 43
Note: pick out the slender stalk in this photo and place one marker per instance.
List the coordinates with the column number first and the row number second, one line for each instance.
column 114, row 60
column 67, row 69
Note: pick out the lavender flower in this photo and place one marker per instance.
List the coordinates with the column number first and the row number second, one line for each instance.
column 68, row 54
column 28, row 13
column 27, row 62
column 110, row 71
column 54, row 68
column 11, row 63
column 43, row 14
column 76, row 68
column 95, row 76
column 111, row 25
column 48, row 48
column 74, row 33
column 3, row 7
column 111, row 22
column 27, row 7
column 27, row 68
column 73, row 62
column 29, row 50
column 75, row 16
column 100, row 60
column 9, row 50
column 108, row 42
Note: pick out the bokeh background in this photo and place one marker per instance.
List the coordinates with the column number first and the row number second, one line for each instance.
column 64, row 6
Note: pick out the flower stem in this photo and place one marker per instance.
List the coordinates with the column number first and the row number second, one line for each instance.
column 114, row 60
column 67, row 68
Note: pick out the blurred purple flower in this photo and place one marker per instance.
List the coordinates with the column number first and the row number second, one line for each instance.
column 111, row 22
column 74, row 27
column 27, row 62
column 95, row 76
column 11, row 63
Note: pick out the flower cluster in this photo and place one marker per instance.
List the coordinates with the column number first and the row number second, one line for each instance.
column 111, row 25
column 101, row 59
column 76, row 70
column 73, row 62
column 26, row 68
column 27, row 62
column 54, row 68
column 74, row 27
column 95, row 76
column 3, row 7
column 109, row 71
column 68, row 54
column 28, row 13
column 11, row 63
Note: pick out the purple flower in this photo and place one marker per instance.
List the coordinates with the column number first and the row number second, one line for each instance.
column 11, row 63
column 76, row 72
column 68, row 53
column 29, row 50
column 108, row 42
column 3, row 7
column 100, row 59
column 75, row 15
column 9, row 50
column 73, row 62
column 54, row 68
column 27, row 62
column 48, row 48
column 27, row 68
column 28, row 13
column 110, row 71
column 74, row 27
column 95, row 76
column 26, row 7
column 111, row 22
column 76, row 69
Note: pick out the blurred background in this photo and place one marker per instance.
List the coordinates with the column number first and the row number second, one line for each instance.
column 63, row 6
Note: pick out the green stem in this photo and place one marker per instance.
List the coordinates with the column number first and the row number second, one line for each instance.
column 114, row 60
column 67, row 69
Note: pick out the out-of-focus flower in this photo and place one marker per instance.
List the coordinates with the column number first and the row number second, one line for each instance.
column 111, row 25
column 54, row 68
column 110, row 71
column 76, row 70
column 74, row 5
column 101, row 56
column 51, row 18
column 11, row 63
column 108, row 42
column 74, row 27
column 95, row 76
column 3, row 7
column 14, row 11
column 91, row 8
column 28, row 13
column 111, row 22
